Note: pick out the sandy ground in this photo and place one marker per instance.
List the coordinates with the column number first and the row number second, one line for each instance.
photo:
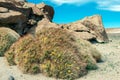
column 113, row 30
column 108, row 70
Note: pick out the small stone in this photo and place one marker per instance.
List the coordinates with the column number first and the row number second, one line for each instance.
column 11, row 78
column 32, row 22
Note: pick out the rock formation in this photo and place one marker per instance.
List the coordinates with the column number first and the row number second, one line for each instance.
column 89, row 28
column 21, row 16
column 26, row 17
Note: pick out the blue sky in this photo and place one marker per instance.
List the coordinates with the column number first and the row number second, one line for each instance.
column 67, row 11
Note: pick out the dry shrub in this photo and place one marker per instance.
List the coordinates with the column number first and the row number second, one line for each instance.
column 60, row 54
column 89, row 53
column 7, row 38
column 54, row 52
column 24, row 54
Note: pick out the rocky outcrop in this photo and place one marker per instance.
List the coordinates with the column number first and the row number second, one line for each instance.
column 89, row 28
column 94, row 24
column 46, row 10
column 12, row 17
column 45, row 23
column 26, row 18
column 21, row 16
column 3, row 10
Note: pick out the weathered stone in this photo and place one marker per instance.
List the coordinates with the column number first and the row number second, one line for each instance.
column 12, row 17
column 88, row 28
column 36, row 11
column 47, row 10
column 78, row 27
column 3, row 10
column 94, row 24
column 15, row 5
column 84, row 35
column 45, row 23
column 28, row 5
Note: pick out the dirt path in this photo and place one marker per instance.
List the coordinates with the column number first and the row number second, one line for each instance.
column 108, row 70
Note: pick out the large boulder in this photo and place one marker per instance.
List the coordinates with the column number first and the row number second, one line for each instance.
column 94, row 23
column 89, row 28
column 47, row 10
column 45, row 23
column 12, row 17
column 21, row 15
column 15, row 5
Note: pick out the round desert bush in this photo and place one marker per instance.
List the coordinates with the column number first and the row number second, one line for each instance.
column 27, row 55
column 60, row 54
column 24, row 54
column 54, row 52
column 20, row 45
column 89, row 53
column 7, row 38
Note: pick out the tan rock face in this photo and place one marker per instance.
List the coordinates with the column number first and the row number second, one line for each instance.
column 94, row 23
column 89, row 28
column 3, row 10
column 21, row 16
column 45, row 23
column 47, row 10
column 12, row 17
column 78, row 27
column 84, row 35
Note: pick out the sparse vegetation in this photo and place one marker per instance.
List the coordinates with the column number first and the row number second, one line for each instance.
column 54, row 52
column 7, row 38
column 89, row 53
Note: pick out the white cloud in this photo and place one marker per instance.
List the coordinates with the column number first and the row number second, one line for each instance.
column 112, row 5
column 75, row 2
column 111, row 8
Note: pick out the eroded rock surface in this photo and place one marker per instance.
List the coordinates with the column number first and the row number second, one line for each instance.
column 89, row 28
column 21, row 16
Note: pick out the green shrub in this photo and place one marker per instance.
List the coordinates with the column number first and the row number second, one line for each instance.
column 27, row 55
column 60, row 54
column 7, row 38
column 23, row 53
column 89, row 53
column 54, row 52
